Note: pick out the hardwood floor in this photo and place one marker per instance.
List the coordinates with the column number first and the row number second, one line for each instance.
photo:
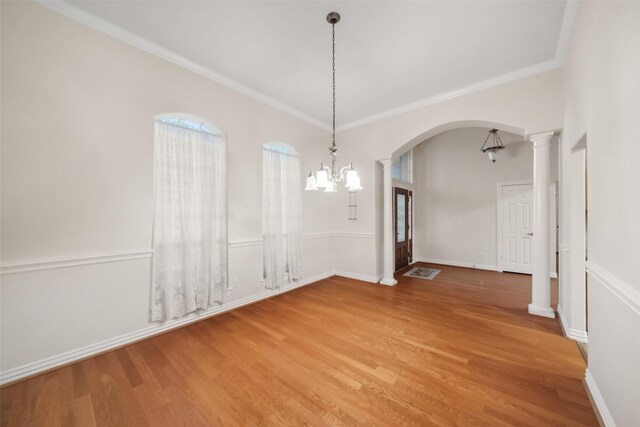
column 457, row 350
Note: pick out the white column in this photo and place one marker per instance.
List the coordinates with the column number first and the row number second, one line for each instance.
column 388, row 241
column 540, row 282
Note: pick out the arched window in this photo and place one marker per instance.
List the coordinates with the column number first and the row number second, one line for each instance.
column 190, row 219
column 279, row 148
column 190, row 124
column 281, row 185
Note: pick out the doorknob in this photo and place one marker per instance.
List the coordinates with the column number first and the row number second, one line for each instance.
column 529, row 234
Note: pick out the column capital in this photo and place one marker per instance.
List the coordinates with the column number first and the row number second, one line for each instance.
column 541, row 138
column 386, row 162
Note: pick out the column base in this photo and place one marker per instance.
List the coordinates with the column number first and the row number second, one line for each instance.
column 388, row 282
column 542, row 311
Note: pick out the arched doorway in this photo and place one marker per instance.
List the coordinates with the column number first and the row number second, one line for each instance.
column 540, row 245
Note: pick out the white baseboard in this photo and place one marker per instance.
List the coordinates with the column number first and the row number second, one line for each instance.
column 390, row 282
column 541, row 311
column 357, row 276
column 458, row 264
column 601, row 406
column 49, row 363
column 488, row 267
column 574, row 334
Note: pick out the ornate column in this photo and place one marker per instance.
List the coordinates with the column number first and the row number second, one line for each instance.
column 388, row 241
column 540, row 282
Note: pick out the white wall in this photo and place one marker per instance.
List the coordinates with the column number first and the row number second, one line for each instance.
column 77, row 181
column 455, row 194
column 527, row 105
column 602, row 105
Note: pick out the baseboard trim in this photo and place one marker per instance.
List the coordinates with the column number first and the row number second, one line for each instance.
column 541, row 311
column 47, row 364
column 358, row 276
column 388, row 282
column 596, row 397
column 487, row 267
column 458, row 264
column 574, row 334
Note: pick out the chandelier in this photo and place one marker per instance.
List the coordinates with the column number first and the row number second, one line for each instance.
column 494, row 147
column 328, row 178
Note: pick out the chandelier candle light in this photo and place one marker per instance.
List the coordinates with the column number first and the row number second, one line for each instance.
column 492, row 150
column 328, row 178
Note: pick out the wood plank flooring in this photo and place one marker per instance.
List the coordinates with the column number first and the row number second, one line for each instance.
column 457, row 350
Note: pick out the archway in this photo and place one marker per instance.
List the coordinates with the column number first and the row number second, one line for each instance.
column 540, row 200
column 431, row 132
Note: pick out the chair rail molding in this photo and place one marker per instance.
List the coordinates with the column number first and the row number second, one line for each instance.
column 37, row 264
column 72, row 261
column 619, row 288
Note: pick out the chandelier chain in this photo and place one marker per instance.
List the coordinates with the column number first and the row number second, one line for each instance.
column 333, row 65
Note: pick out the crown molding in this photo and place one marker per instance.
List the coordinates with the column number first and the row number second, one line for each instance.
column 106, row 27
column 121, row 34
column 570, row 12
column 475, row 87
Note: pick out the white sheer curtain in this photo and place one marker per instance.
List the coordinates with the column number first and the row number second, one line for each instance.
column 281, row 218
column 189, row 226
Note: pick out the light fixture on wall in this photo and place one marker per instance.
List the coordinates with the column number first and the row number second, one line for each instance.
column 328, row 178
column 494, row 147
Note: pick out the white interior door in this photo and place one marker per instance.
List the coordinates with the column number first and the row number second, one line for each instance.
column 517, row 209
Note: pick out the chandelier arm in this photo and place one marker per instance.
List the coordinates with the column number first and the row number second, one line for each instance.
column 344, row 170
column 485, row 142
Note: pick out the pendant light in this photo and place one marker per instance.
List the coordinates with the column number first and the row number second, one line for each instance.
column 494, row 147
column 327, row 178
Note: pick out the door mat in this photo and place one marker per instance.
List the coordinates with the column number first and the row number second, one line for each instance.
column 422, row 273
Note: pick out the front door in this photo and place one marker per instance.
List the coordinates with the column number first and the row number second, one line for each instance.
column 516, row 228
column 402, row 202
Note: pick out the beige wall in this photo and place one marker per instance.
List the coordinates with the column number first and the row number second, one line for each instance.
column 78, row 109
column 602, row 106
column 456, row 195
column 77, row 140
column 527, row 105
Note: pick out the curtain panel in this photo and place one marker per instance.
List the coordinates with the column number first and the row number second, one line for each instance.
column 190, row 221
column 281, row 218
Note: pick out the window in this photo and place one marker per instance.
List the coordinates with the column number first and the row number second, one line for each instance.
column 190, row 223
column 401, row 168
column 281, row 187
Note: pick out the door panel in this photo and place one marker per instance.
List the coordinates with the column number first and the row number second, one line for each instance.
column 402, row 226
column 516, row 228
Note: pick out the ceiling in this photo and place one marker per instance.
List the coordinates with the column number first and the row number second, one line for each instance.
column 389, row 54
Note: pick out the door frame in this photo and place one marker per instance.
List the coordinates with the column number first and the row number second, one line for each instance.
column 410, row 216
column 499, row 187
